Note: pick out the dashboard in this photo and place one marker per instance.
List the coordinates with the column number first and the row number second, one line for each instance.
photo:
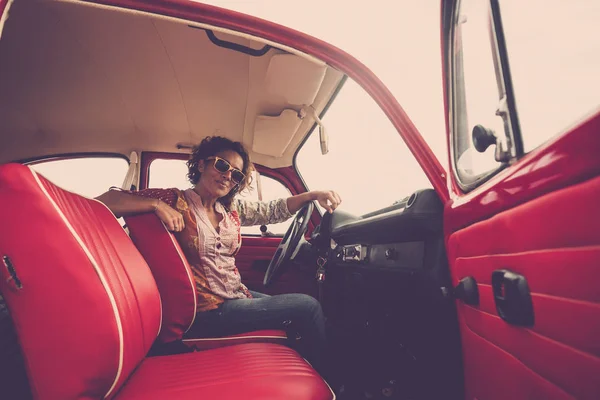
column 388, row 288
column 398, row 237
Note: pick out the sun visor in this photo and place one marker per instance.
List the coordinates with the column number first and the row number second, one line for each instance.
column 272, row 135
column 296, row 80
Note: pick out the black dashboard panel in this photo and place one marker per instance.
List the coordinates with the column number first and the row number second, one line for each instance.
column 389, row 255
column 402, row 236
column 419, row 218
column 386, row 288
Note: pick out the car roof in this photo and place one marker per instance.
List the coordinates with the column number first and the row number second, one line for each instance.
column 80, row 77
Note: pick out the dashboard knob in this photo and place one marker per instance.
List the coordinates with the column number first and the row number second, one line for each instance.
column 390, row 254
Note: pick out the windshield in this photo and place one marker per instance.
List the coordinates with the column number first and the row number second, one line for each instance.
column 368, row 163
column 398, row 40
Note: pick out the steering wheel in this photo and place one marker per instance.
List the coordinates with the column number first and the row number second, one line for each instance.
column 290, row 244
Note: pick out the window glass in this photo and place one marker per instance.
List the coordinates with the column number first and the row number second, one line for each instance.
column 168, row 174
column 368, row 163
column 271, row 189
column 173, row 173
column 475, row 90
column 88, row 176
column 554, row 56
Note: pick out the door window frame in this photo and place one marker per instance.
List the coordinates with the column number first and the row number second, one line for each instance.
column 511, row 132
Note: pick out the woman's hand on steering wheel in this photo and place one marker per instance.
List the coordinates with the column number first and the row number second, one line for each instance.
column 328, row 199
column 290, row 243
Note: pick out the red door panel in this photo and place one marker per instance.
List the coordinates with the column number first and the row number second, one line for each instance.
column 255, row 251
column 252, row 260
column 547, row 228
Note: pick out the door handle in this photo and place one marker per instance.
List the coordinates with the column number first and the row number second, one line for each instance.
column 467, row 291
column 512, row 297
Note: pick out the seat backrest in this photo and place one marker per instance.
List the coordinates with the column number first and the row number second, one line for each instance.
column 83, row 300
column 171, row 271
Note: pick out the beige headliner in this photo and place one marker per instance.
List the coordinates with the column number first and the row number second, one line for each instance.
column 82, row 78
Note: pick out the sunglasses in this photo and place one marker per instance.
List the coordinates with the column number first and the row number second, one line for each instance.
column 223, row 167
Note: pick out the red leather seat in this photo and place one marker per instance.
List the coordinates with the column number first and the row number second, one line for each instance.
column 175, row 282
column 86, row 309
column 235, row 372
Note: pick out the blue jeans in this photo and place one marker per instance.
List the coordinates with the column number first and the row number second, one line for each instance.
column 269, row 312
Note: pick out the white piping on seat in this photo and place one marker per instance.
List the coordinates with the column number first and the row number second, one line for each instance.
column 117, row 221
column 4, row 16
column 100, row 275
column 330, row 389
column 232, row 338
column 159, row 298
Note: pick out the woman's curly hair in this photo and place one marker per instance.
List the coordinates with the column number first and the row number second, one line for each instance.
column 211, row 146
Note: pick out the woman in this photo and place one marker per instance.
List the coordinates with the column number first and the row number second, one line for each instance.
column 206, row 220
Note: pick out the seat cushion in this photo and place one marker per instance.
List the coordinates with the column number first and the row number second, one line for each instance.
column 250, row 371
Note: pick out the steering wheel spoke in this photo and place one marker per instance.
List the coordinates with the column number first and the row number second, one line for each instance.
column 290, row 244
column 297, row 249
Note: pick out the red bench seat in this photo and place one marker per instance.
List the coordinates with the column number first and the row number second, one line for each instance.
column 87, row 309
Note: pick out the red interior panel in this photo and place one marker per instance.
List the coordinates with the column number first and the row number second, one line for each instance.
column 553, row 241
column 293, row 280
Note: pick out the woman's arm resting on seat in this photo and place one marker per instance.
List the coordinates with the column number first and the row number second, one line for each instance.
column 122, row 204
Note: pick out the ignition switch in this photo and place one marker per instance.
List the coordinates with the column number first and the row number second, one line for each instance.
column 390, row 254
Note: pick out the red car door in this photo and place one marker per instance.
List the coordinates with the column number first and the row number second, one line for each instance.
column 522, row 225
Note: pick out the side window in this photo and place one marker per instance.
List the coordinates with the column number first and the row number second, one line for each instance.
column 87, row 176
column 368, row 163
column 477, row 94
column 554, row 56
column 271, row 190
column 172, row 173
column 168, row 174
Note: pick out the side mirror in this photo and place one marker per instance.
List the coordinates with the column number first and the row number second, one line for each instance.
column 483, row 138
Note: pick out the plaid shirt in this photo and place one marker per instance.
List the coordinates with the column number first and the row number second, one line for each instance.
column 211, row 254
